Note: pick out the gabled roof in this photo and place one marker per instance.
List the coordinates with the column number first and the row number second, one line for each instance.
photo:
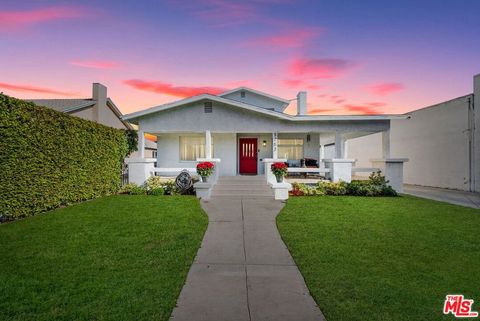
column 73, row 105
column 134, row 116
column 64, row 105
column 261, row 93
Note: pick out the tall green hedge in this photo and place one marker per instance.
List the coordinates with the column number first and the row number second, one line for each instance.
column 49, row 159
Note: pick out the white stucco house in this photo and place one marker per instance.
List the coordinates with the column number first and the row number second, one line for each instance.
column 245, row 130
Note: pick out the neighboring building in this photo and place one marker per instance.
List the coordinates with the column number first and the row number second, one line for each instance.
column 244, row 128
column 442, row 143
column 99, row 108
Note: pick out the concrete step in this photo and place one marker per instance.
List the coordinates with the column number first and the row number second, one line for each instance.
column 241, row 194
column 240, row 187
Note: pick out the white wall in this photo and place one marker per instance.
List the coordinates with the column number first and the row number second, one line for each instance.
column 168, row 152
column 256, row 100
column 436, row 141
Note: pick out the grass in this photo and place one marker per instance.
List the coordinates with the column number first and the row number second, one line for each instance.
column 383, row 258
column 115, row 258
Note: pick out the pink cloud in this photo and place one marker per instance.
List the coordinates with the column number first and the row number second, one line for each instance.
column 366, row 108
column 299, row 83
column 29, row 88
column 383, row 89
column 18, row 19
column 96, row 64
column 321, row 110
column 293, row 38
column 169, row 89
column 320, row 67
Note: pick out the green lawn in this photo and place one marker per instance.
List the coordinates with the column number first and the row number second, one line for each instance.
column 383, row 258
column 115, row 258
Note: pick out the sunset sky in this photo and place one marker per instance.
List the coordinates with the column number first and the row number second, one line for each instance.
column 352, row 57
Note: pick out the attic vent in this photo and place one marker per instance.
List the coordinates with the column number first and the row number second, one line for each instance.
column 208, row 107
column 242, row 94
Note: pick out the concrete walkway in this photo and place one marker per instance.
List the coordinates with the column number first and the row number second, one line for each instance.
column 462, row 198
column 243, row 271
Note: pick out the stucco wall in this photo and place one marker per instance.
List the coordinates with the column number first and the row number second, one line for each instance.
column 225, row 118
column 435, row 140
column 107, row 117
column 85, row 113
column 256, row 100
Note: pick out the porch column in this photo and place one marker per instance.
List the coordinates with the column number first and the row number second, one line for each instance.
column 321, row 152
column 386, row 144
column 208, row 145
column 339, row 145
column 141, row 143
column 275, row 145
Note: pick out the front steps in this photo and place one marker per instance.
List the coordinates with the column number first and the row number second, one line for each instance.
column 241, row 187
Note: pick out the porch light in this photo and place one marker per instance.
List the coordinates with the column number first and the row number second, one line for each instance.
column 264, row 143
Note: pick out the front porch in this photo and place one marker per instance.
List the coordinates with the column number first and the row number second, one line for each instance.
column 310, row 156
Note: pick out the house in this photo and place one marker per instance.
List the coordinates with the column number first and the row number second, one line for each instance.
column 442, row 143
column 99, row 108
column 244, row 130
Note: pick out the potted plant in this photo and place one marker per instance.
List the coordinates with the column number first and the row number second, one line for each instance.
column 279, row 170
column 205, row 169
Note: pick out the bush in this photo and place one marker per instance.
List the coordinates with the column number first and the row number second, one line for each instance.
column 137, row 190
column 330, row 188
column 126, row 189
column 49, row 158
column 158, row 191
column 375, row 186
column 168, row 185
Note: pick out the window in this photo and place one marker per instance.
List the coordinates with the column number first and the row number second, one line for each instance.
column 208, row 107
column 291, row 148
column 242, row 94
column 192, row 147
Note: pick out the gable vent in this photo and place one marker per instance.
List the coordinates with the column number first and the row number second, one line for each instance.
column 208, row 107
column 242, row 94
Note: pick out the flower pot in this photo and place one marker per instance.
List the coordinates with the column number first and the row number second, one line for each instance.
column 279, row 179
column 204, row 179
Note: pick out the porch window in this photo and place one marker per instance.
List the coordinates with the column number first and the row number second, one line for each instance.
column 290, row 148
column 192, row 147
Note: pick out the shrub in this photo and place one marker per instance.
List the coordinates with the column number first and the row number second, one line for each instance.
column 168, row 185
column 49, row 158
column 137, row 190
column 125, row 189
column 375, row 186
column 330, row 188
column 157, row 191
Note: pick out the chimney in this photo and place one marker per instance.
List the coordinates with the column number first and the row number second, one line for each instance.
column 302, row 103
column 99, row 94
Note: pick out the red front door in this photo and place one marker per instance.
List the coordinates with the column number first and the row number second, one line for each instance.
column 248, row 155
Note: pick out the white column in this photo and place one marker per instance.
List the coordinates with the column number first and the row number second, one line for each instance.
column 208, row 145
column 141, row 143
column 274, row 145
column 386, row 144
column 321, row 152
column 339, row 145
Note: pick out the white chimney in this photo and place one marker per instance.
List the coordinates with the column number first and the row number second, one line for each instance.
column 99, row 95
column 302, row 103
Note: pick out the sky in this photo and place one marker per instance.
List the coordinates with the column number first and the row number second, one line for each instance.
column 352, row 57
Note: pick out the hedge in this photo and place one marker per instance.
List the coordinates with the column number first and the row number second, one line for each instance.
column 49, row 159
